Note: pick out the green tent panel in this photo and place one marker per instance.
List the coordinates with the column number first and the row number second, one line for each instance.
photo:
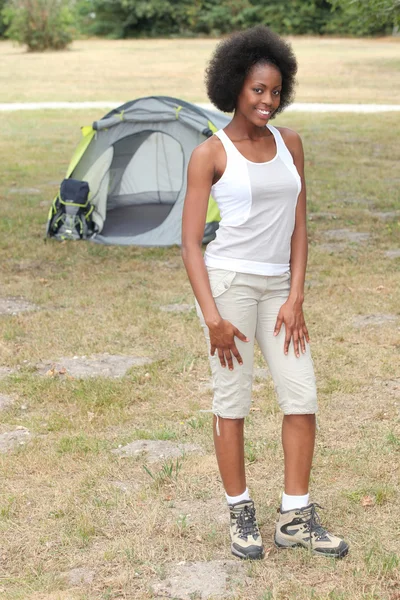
column 135, row 161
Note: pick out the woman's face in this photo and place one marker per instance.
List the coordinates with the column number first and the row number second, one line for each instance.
column 260, row 94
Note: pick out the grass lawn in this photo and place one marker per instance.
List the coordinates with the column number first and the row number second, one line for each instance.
column 331, row 70
column 59, row 505
column 66, row 500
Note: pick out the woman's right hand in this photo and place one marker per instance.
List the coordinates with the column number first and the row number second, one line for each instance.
column 222, row 339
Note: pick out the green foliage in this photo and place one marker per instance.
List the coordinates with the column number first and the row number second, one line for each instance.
column 364, row 17
column 133, row 18
column 39, row 24
column 3, row 25
column 289, row 16
column 146, row 18
column 168, row 473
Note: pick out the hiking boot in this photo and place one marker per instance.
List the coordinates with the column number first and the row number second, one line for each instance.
column 245, row 535
column 302, row 527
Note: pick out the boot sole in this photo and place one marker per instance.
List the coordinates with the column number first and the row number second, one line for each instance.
column 342, row 552
column 250, row 556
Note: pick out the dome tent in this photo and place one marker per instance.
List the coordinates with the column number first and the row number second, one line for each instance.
column 135, row 161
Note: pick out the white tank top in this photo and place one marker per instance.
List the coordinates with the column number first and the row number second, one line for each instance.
column 257, row 202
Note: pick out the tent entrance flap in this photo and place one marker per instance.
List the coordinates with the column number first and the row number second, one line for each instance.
column 146, row 178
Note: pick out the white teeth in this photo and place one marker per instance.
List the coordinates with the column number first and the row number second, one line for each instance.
column 263, row 112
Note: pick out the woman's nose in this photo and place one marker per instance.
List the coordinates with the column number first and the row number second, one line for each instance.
column 267, row 98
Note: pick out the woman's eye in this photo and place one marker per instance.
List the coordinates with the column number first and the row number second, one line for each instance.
column 257, row 90
column 276, row 92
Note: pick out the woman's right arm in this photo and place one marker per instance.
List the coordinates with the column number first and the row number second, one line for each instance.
column 201, row 173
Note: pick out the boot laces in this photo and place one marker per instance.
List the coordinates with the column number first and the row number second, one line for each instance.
column 246, row 522
column 313, row 521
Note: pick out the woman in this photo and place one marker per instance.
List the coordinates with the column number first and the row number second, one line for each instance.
column 250, row 283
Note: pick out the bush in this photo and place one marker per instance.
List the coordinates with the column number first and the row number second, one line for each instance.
column 39, row 24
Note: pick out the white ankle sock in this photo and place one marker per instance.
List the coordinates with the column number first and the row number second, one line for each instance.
column 292, row 502
column 234, row 499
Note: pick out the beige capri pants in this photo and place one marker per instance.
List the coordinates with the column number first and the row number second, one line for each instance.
column 251, row 303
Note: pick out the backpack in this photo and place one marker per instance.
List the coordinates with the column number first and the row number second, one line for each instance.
column 70, row 214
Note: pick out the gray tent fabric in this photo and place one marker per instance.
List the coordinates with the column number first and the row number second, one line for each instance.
column 136, row 167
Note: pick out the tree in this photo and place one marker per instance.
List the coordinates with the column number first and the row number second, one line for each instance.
column 39, row 24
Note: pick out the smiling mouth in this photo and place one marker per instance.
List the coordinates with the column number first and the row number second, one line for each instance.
column 264, row 113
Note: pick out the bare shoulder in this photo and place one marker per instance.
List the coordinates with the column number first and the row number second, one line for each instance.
column 292, row 141
column 290, row 136
column 207, row 151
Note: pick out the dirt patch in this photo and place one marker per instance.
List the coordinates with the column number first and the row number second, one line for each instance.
column 393, row 253
column 15, row 305
column 5, row 401
column 194, row 511
column 347, row 235
column 79, row 576
column 103, row 365
column 156, row 450
column 200, row 580
column 13, row 439
column 177, row 308
column 378, row 319
column 5, row 372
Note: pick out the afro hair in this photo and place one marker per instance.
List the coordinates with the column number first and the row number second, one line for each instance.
column 237, row 54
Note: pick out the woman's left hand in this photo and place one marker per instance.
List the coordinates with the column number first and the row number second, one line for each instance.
column 291, row 315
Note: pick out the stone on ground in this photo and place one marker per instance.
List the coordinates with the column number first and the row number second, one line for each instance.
column 393, row 253
column 78, row 576
column 347, row 235
column 14, row 439
column 103, row 365
column 156, row 450
column 332, row 248
column 5, row 401
column 319, row 216
column 391, row 214
column 198, row 580
column 377, row 319
column 177, row 308
column 27, row 191
column 128, row 487
column 5, row 372
column 16, row 305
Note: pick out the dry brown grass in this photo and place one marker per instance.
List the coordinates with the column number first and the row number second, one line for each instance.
column 59, row 507
column 331, row 70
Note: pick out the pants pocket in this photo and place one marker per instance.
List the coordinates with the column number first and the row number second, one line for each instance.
column 220, row 281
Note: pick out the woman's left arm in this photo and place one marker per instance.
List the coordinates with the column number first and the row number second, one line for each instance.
column 291, row 312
